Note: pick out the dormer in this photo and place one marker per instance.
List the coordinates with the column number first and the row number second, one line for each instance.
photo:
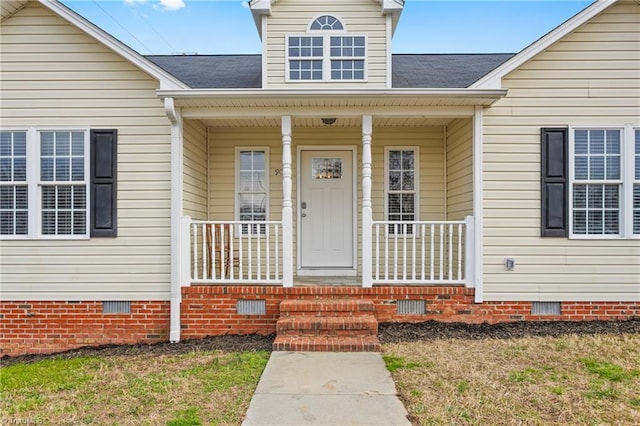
column 332, row 44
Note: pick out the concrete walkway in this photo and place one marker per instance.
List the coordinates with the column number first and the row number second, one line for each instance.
column 326, row 388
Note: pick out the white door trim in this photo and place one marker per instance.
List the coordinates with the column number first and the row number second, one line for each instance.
column 324, row 271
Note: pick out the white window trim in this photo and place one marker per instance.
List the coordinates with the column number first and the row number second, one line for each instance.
column 326, row 52
column 265, row 149
column 416, row 178
column 34, row 183
column 342, row 31
column 626, row 182
column 326, row 57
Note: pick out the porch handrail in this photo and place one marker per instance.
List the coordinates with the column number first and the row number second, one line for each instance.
column 235, row 252
column 421, row 252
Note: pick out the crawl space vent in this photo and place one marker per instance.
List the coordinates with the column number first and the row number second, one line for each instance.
column 545, row 308
column 411, row 307
column 251, row 307
column 116, row 307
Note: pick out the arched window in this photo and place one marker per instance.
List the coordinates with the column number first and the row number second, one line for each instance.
column 326, row 23
column 326, row 53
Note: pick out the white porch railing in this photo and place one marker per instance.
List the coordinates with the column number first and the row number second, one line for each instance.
column 235, row 252
column 421, row 252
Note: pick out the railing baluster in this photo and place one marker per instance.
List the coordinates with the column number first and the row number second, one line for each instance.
column 194, row 250
column 459, row 277
column 240, row 256
column 441, row 251
column 423, row 255
column 277, row 249
column 377, row 256
column 404, row 252
column 450, row 260
column 413, row 252
column 387, row 230
column 250, row 257
column 267, row 230
column 259, row 252
column 395, row 251
column 432, row 266
column 205, row 253
column 231, row 255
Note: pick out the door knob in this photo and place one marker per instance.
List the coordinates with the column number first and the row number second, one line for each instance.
column 303, row 215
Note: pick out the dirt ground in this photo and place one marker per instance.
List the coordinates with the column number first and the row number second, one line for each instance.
column 388, row 333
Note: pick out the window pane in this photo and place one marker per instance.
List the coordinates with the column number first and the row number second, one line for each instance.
column 63, row 169
column 77, row 169
column 395, row 160
column 5, row 170
column 64, row 197
column 394, row 181
column 579, row 222
column 46, row 169
column 64, row 223
column 579, row 196
column 46, row 143
column 393, row 204
column 407, row 160
column 594, row 196
column 63, row 144
column 6, row 143
column 20, row 169
column 596, row 168
column 407, row 181
column 77, row 144
column 48, row 197
column 581, row 141
column 613, row 142
column 79, row 197
column 596, row 142
column 582, row 168
column 611, row 222
column 594, row 222
column 7, row 225
column 48, row 223
column 611, row 196
column 613, row 167
column 408, row 204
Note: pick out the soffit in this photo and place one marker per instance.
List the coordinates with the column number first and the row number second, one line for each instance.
column 9, row 7
column 341, row 122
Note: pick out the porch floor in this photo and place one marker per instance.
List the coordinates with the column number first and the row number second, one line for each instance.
column 333, row 281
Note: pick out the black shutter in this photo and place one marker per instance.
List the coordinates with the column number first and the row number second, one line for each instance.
column 554, row 177
column 104, row 148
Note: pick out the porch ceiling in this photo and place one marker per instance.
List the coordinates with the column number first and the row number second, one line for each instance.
column 340, row 122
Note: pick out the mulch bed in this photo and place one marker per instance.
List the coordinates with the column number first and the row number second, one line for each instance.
column 388, row 333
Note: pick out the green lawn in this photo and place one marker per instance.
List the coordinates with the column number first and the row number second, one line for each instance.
column 190, row 389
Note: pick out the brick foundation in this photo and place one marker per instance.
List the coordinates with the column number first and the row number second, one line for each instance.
column 211, row 310
column 44, row 327
column 35, row 327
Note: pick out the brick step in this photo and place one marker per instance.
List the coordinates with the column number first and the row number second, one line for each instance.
column 327, row 343
column 329, row 326
column 327, row 307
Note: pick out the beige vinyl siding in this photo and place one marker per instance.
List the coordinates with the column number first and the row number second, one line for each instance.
column 459, row 169
column 223, row 142
column 196, row 170
column 591, row 76
column 54, row 75
column 292, row 17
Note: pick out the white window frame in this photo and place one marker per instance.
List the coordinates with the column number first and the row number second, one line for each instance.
column 239, row 149
column 326, row 52
column 35, row 183
column 416, row 178
column 625, row 182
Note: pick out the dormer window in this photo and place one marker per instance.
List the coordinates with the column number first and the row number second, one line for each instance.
column 326, row 53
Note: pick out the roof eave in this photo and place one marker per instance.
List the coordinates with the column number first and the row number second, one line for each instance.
column 493, row 80
column 484, row 97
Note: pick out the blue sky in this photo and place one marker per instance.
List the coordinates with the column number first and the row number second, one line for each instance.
column 426, row 26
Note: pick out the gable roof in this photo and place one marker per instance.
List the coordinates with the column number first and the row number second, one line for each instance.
column 409, row 71
column 167, row 81
column 493, row 80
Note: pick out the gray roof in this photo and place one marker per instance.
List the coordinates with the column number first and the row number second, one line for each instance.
column 409, row 70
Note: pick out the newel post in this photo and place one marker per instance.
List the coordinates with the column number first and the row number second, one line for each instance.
column 287, row 206
column 367, row 213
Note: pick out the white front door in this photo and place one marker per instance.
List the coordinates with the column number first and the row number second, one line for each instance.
column 325, row 209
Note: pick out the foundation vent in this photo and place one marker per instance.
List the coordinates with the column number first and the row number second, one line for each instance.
column 411, row 307
column 545, row 308
column 116, row 307
column 251, row 307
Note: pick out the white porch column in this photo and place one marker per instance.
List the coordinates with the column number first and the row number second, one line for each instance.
column 287, row 205
column 477, row 203
column 367, row 214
